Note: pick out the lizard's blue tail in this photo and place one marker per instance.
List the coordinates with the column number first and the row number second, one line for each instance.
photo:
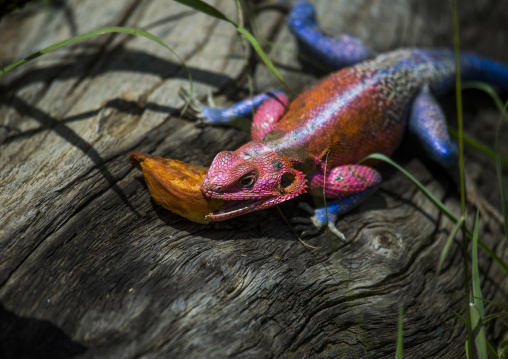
column 437, row 67
column 472, row 67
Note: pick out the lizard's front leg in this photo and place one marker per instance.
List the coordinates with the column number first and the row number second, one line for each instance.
column 347, row 186
column 265, row 109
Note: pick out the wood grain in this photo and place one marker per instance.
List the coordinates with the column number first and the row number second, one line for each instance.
column 91, row 267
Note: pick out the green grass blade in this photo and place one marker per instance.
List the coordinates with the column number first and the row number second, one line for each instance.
column 478, row 146
column 448, row 244
column 458, row 316
column 492, row 351
column 499, row 172
column 499, row 158
column 301, row 56
column 458, row 96
column 491, row 92
column 421, row 187
column 211, row 11
column 72, row 40
column 400, row 335
column 493, row 254
column 206, row 9
column 479, row 334
column 467, row 348
column 104, row 30
column 494, row 303
column 477, row 291
column 492, row 316
column 462, row 179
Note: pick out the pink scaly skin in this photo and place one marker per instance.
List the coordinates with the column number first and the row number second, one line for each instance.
column 266, row 187
column 313, row 144
column 274, row 167
column 271, row 179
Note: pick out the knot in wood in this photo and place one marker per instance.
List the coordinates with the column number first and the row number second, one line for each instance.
column 386, row 240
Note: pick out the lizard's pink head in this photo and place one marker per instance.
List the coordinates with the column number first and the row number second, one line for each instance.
column 251, row 178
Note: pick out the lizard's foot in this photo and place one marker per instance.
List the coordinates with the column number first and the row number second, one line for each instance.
column 204, row 114
column 316, row 222
column 212, row 115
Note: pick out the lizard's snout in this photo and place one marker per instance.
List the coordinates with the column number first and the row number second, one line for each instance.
column 213, row 183
column 209, row 188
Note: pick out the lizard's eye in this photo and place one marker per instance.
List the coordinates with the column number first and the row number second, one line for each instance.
column 247, row 181
column 286, row 180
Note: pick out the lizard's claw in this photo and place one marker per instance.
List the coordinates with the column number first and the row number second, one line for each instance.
column 204, row 114
column 317, row 224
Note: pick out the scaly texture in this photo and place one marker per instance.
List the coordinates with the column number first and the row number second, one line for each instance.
column 314, row 143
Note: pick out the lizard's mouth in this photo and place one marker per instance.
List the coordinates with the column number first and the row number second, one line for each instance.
column 234, row 208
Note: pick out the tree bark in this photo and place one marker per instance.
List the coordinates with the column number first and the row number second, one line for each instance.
column 91, row 267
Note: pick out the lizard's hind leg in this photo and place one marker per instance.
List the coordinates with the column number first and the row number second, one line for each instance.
column 333, row 52
column 427, row 122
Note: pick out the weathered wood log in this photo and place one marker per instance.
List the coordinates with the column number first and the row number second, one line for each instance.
column 91, row 267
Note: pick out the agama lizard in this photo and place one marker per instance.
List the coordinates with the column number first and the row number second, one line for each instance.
column 314, row 142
